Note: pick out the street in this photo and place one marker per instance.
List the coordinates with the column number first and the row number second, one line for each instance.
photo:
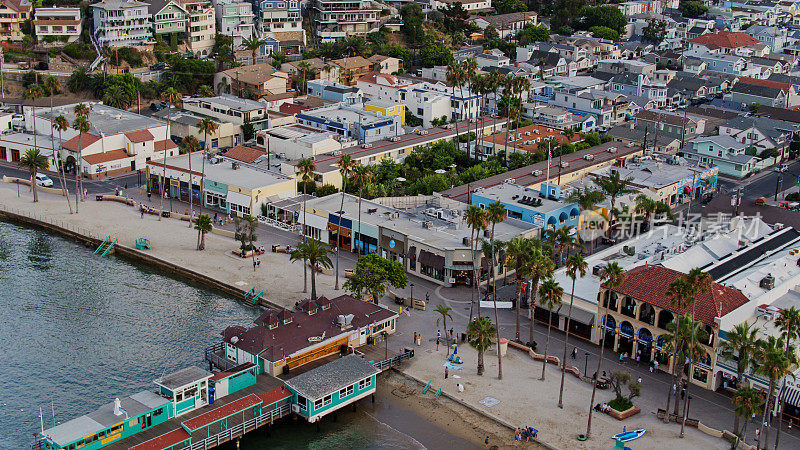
column 98, row 186
column 762, row 184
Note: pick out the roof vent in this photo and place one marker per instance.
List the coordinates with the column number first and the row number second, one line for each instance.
column 768, row 282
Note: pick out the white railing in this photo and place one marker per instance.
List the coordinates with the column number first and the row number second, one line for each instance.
column 241, row 429
column 47, row 219
column 278, row 224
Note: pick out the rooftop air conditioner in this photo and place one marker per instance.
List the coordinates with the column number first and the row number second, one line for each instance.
column 465, row 241
column 768, row 282
column 612, row 150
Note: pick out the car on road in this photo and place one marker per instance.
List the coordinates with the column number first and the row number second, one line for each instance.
column 781, row 168
column 761, row 201
column 43, row 180
column 156, row 106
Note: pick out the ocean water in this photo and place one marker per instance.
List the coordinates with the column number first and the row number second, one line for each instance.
column 78, row 330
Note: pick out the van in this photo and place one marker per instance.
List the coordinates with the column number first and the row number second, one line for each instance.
column 43, row 180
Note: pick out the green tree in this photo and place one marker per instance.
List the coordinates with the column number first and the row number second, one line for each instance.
column 532, row 33
column 476, row 221
column 613, row 186
column 444, row 313
column 479, row 333
column 34, row 161
column 774, row 363
column 618, row 380
column 655, row 31
column 305, row 171
column 604, row 33
column 362, row 175
column 490, row 33
column 576, row 267
column 412, row 16
column 203, row 226
column 518, row 254
column 550, row 296
column 374, row 274
column 692, row 8
column 740, row 344
column 82, row 125
column 699, row 283
column 434, row 53
column 61, row 124
column 317, row 255
column 495, row 213
column 205, row 91
column 611, row 277
column 789, row 324
column 648, row 206
column 747, row 402
column 754, row 107
column 253, row 43
column 173, row 99
column 190, row 144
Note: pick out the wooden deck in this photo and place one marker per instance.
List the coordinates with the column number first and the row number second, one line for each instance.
column 264, row 384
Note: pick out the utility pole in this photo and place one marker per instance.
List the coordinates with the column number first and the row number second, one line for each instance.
column 738, row 199
column 778, row 185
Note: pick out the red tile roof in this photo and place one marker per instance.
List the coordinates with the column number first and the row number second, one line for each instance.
column 768, row 83
column 159, row 145
column 726, row 39
column 99, row 158
column 139, row 136
column 245, row 154
column 216, row 414
column 166, row 440
column 85, row 141
column 650, row 283
column 275, row 395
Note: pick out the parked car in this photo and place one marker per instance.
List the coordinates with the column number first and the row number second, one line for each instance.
column 761, row 201
column 156, row 106
column 43, row 180
column 781, row 168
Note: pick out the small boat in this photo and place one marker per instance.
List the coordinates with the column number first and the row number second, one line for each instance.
column 627, row 436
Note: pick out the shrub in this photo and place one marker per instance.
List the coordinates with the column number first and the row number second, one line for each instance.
column 79, row 50
column 325, row 190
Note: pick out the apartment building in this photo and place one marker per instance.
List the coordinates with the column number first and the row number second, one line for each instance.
column 168, row 17
column 352, row 123
column 119, row 23
column 229, row 108
column 57, row 22
column 12, row 14
column 258, row 79
column 201, row 26
column 333, row 20
column 610, row 108
column 278, row 16
column 235, row 18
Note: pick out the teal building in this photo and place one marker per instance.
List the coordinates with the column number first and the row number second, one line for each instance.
column 724, row 152
column 333, row 386
column 186, row 389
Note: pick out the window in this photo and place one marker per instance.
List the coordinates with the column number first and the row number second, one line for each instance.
column 318, row 404
column 346, row 391
column 302, row 402
column 365, row 383
column 327, row 400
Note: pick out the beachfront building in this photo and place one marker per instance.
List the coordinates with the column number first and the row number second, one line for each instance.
column 13, row 146
column 282, row 340
column 184, row 123
column 427, row 235
column 297, row 141
column 429, row 101
column 186, row 389
column 544, row 208
column 120, row 23
column 118, row 141
column 237, row 182
column 56, row 22
column 235, row 19
column 110, row 423
column 335, row 385
column 334, row 20
column 352, row 123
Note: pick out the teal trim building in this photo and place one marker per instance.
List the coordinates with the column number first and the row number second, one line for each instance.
column 109, row 423
column 328, row 388
column 187, row 389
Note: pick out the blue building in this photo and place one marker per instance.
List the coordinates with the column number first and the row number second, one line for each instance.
column 335, row 92
column 543, row 208
column 351, row 123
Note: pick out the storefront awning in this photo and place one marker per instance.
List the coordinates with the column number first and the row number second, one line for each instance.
column 584, row 317
column 791, row 395
column 412, row 252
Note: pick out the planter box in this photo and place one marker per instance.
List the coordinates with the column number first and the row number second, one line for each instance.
column 622, row 415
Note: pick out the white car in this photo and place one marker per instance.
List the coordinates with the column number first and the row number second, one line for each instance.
column 43, row 180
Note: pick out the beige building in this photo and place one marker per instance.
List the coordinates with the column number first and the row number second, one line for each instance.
column 385, row 64
column 12, row 14
column 185, row 123
column 57, row 22
column 321, row 70
column 201, row 27
column 258, row 79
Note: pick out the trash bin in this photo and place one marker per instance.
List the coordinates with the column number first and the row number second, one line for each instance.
column 503, row 346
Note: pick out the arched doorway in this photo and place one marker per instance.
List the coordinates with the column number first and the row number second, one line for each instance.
column 626, row 335
column 628, row 307
column 69, row 165
column 611, row 300
column 647, row 314
column 665, row 318
column 645, row 339
column 610, row 329
column 662, row 355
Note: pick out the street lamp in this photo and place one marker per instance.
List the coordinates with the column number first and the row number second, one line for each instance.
column 412, row 293
column 586, row 363
column 688, row 403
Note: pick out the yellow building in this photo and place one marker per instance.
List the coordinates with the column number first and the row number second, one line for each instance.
column 12, row 14
column 387, row 109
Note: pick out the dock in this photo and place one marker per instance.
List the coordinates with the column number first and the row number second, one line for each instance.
column 227, row 419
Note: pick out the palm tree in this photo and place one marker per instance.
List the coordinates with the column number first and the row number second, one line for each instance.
column 479, row 333
column 479, row 87
column 541, row 267
column 316, row 253
column 305, row 68
column 647, row 206
column 190, row 144
column 576, row 266
column 495, row 213
column 509, row 90
column 346, row 164
column 773, row 363
column 679, row 292
column 82, row 125
column 203, row 226
column 455, row 77
column 522, row 86
column 172, row 97
column 700, row 283
column 362, row 175
column 562, row 240
column 305, row 170
column 106, row 51
column 613, row 186
column 549, row 297
column 587, row 199
column 206, row 126
column 444, row 312
column 611, row 277
column 34, row 161
column 60, row 123
column 476, row 219
column 682, row 340
column 789, row 324
column 252, row 43
column 470, row 67
column 518, row 252
column 205, row 91
column 494, row 84
column 747, row 402
column 741, row 344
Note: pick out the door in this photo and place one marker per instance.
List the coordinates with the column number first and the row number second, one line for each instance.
column 133, row 165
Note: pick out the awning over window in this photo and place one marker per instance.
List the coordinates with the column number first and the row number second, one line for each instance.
column 791, row 395
column 427, row 258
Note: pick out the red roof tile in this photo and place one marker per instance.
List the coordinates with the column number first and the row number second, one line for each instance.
column 245, row 154
column 99, row 158
column 159, row 145
column 139, row 136
column 726, row 39
column 234, row 407
column 275, row 395
column 85, row 141
column 166, row 440
column 650, row 283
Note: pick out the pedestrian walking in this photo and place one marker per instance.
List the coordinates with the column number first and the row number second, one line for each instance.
column 574, row 352
column 141, row 209
column 486, row 441
column 758, row 432
column 683, row 393
column 446, row 372
column 639, row 380
column 655, row 365
column 651, row 366
column 148, row 195
column 415, row 338
column 437, row 344
column 452, row 336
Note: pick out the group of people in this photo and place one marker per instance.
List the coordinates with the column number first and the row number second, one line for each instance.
column 602, row 407
column 525, row 434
